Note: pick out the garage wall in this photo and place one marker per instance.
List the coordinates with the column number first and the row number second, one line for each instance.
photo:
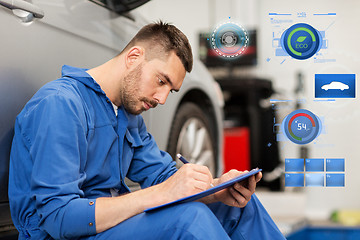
column 342, row 131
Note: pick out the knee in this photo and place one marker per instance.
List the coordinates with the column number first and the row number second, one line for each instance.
column 194, row 220
column 195, row 209
column 193, row 213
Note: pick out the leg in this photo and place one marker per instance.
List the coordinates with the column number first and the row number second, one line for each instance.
column 250, row 222
column 185, row 221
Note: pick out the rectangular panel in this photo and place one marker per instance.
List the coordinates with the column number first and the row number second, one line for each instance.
column 314, row 179
column 335, row 180
column 335, row 164
column 294, row 179
column 335, row 85
column 294, row 164
column 314, row 165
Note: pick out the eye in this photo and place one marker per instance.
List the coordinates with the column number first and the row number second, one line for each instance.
column 161, row 82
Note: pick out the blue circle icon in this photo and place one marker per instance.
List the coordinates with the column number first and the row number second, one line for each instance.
column 301, row 126
column 301, row 41
column 229, row 40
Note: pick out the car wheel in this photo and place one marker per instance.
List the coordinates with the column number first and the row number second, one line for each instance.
column 191, row 136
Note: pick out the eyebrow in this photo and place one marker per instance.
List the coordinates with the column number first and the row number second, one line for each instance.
column 169, row 81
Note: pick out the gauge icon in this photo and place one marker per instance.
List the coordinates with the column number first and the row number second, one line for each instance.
column 229, row 40
column 301, row 126
column 301, row 41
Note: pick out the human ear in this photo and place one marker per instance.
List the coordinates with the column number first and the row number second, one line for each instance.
column 134, row 55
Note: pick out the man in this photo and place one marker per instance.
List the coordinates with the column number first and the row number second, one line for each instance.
column 79, row 136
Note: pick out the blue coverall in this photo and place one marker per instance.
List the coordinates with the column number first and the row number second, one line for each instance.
column 70, row 148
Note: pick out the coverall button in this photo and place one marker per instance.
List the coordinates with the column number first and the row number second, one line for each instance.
column 91, row 203
column 91, row 224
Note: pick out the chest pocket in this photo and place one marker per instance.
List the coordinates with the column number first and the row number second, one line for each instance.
column 131, row 143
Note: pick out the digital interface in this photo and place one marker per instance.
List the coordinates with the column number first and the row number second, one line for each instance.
column 229, row 40
column 301, row 41
column 319, row 172
column 295, row 35
column 229, row 44
column 335, row 180
column 294, row 179
column 314, row 165
column 314, row 179
column 335, row 164
column 294, row 165
column 303, row 37
column 335, row 85
column 301, row 126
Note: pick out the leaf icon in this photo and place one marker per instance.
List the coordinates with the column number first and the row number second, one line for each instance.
column 301, row 38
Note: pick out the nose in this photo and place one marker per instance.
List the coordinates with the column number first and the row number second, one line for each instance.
column 161, row 96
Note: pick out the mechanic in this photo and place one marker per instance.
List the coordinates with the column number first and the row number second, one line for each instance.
column 79, row 136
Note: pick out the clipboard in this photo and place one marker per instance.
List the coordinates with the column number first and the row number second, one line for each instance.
column 208, row 191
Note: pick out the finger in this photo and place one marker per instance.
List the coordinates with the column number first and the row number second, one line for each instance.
column 190, row 168
column 202, row 177
column 200, row 168
column 237, row 197
column 205, row 171
column 201, row 186
column 233, row 173
column 252, row 184
column 243, row 191
column 258, row 176
column 202, row 172
column 199, row 173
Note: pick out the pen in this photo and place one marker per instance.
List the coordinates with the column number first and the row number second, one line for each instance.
column 186, row 161
column 182, row 158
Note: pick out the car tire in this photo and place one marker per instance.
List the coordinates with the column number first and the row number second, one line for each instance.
column 191, row 135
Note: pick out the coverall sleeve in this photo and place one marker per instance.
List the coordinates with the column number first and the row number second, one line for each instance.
column 55, row 132
column 150, row 165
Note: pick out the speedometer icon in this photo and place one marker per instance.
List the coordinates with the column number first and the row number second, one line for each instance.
column 301, row 126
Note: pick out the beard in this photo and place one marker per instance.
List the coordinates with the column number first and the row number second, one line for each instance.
column 130, row 90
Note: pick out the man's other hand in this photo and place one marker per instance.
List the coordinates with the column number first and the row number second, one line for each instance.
column 240, row 193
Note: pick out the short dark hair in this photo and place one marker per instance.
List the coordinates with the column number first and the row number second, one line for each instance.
column 168, row 38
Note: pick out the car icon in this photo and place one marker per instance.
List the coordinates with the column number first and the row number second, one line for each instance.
column 335, row 85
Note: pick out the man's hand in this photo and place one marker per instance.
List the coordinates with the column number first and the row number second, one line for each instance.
column 237, row 195
column 188, row 180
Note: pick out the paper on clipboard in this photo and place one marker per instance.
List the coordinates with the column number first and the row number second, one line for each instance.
column 207, row 192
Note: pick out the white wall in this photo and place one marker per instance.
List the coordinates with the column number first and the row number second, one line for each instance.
column 341, row 117
column 193, row 17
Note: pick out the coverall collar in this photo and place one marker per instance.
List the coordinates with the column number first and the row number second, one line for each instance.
column 82, row 76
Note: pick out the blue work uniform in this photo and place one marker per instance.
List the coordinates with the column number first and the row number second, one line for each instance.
column 70, row 148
